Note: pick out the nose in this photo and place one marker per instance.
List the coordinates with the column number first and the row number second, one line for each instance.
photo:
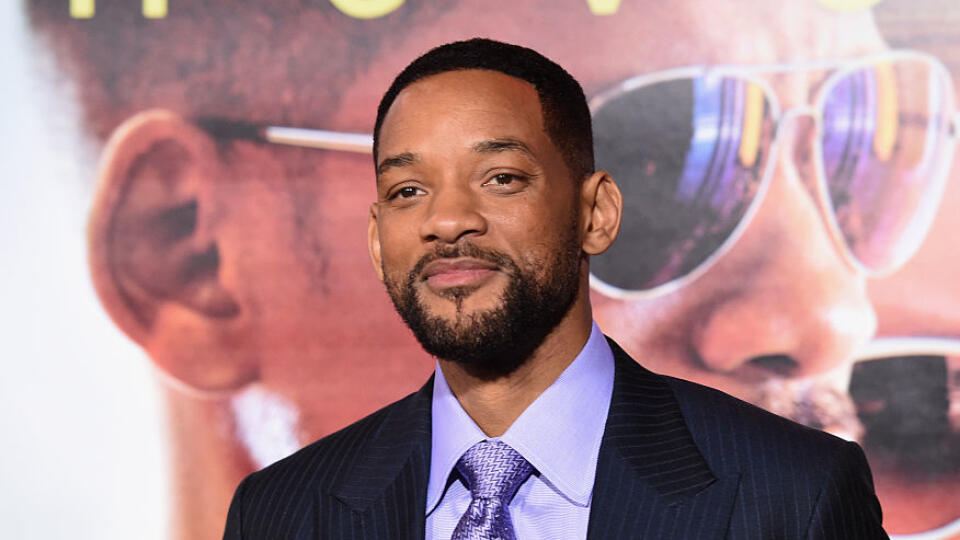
column 453, row 212
column 784, row 303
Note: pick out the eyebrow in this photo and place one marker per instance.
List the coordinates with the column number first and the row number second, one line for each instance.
column 404, row 159
column 503, row 145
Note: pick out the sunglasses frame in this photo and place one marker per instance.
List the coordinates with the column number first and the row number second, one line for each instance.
column 888, row 346
column 814, row 108
column 360, row 143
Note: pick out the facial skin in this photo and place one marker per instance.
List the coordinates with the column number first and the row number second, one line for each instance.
column 475, row 215
column 311, row 337
column 479, row 232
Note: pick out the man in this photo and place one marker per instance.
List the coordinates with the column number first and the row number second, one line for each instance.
column 487, row 212
column 287, row 356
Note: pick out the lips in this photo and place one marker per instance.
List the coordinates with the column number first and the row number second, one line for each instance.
column 446, row 273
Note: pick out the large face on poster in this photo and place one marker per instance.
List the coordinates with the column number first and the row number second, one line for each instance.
column 788, row 234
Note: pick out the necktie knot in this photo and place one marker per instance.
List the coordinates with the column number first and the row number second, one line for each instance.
column 493, row 470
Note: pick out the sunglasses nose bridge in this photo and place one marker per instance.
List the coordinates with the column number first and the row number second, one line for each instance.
column 797, row 137
column 797, row 129
column 791, row 116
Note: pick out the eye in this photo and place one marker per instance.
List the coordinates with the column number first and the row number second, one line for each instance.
column 502, row 179
column 406, row 192
column 507, row 183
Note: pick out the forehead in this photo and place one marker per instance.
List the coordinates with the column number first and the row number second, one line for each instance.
column 461, row 106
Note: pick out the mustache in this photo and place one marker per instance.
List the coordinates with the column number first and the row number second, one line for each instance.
column 813, row 403
column 465, row 249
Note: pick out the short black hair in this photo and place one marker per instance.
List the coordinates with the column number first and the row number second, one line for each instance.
column 566, row 116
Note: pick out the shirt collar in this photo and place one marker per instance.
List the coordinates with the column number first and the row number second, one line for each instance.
column 559, row 433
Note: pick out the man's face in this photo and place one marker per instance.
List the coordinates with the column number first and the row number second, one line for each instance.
column 775, row 320
column 475, row 228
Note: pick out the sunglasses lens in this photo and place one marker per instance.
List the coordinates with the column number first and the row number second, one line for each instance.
column 688, row 155
column 885, row 143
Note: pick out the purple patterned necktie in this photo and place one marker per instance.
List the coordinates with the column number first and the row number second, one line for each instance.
column 494, row 472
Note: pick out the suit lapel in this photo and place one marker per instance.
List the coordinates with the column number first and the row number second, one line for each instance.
column 387, row 487
column 652, row 481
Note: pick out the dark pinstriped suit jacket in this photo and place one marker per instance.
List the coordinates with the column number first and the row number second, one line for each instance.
column 677, row 461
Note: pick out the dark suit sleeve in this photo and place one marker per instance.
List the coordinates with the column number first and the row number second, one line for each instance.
column 234, row 528
column 847, row 506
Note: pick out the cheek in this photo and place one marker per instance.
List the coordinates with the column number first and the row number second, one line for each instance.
column 258, row 241
column 543, row 223
column 332, row 199
column 399, row 243
column 923, row 296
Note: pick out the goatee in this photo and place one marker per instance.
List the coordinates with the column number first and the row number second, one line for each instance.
column 493, row 343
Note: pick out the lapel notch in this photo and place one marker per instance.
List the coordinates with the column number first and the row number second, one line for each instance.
column 652, row 481
column 389, row 477
column 647, row 429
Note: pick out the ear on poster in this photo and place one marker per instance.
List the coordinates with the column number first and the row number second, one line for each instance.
column 154, row 256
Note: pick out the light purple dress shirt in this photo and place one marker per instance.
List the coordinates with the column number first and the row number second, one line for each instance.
column 559, row 434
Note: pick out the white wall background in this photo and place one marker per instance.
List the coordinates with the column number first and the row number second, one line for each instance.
column 81, row 446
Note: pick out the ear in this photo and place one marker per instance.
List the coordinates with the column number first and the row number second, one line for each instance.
column 154, row 257
column 373, row 241
column 601, row 211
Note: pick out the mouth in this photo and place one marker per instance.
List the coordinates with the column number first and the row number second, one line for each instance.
column 444, row 274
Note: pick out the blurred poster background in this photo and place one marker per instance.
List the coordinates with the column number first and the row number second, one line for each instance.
column 187, row 298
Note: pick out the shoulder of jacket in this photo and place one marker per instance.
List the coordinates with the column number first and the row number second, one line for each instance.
column 749, row 433
column 323, row 462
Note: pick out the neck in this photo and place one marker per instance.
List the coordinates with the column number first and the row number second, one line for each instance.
column 207, row 463
column 494, row 404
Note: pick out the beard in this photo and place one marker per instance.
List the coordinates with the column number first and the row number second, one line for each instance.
column 493, row 343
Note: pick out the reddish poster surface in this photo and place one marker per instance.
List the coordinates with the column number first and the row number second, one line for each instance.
column 792, row 205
